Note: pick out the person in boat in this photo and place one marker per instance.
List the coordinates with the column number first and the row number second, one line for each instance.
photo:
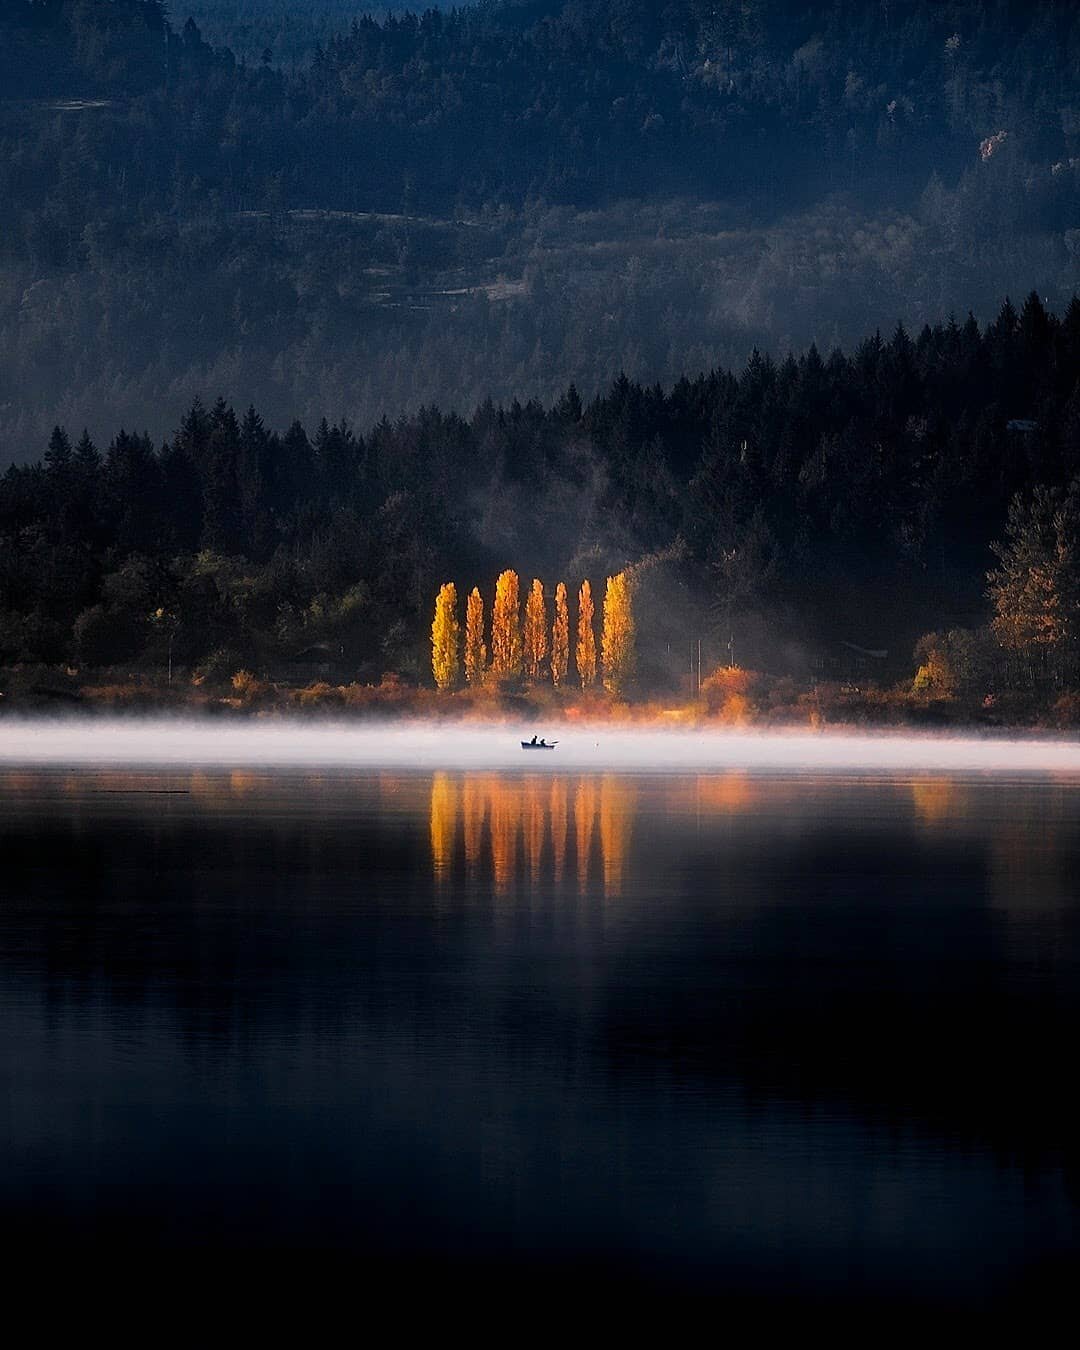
column 542, row 741
column 533, row 741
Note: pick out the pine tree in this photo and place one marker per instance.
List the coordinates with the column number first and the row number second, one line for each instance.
column 81, row 510
column 475, row 649
column 506, row 626
column 445, row 631
column 535, row 631
column 58, row 455
column 560, row 637
column 86, row 458
column 617, row 640
column 586, row 638
column 220, row 479
column 255, row 473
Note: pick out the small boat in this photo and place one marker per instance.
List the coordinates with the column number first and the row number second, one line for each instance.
column 539, row 745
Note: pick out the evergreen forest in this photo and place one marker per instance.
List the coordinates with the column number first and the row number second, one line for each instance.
column 783, row 515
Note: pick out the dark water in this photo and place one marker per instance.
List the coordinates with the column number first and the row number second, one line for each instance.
column 780, row 1038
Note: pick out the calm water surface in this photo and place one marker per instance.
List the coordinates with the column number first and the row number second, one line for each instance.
column 784, row 1037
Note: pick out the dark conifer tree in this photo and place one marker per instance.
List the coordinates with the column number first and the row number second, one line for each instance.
column 58, row 454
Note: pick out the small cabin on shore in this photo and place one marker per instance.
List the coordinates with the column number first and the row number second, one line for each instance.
column 850, row 662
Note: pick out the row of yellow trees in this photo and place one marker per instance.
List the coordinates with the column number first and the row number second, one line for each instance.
column 530, row 647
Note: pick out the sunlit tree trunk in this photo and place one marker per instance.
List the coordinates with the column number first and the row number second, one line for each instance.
column 535, row 631
column 506, row 626
column 617, row 640
column 475, row 648
column 560, row 637
column 586, row 638
column 445, row 634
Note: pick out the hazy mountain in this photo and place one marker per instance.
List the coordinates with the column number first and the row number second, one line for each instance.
column 286, row 32
column 507, row 198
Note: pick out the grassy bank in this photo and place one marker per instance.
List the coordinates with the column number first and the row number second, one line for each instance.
column 729, row 697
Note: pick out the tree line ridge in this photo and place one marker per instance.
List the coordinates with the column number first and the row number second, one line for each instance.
column 791, row 512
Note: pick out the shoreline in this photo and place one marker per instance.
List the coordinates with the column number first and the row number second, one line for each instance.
column 733, row 699
column 878, row 714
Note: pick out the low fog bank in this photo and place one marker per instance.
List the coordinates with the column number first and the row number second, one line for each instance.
column 431, row 746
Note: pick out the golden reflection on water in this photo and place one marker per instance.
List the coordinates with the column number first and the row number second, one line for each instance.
column 584, row 823
column 579, row 829
column 536, row 823
column 727, row 793
column 559, row 812
column 216, row 789
column 618, row 803
column 939, row 800
column 474, row 818
column 531, row 829
column 443, row 824
column 534, row 829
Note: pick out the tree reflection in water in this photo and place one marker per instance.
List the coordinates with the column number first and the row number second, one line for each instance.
column 533, row 829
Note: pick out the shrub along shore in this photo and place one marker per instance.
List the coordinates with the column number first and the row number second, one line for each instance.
column 729, row 697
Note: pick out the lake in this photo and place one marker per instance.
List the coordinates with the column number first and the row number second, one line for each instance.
column 803, row 1036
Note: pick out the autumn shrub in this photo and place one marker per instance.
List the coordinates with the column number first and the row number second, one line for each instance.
column 247, row 687
column 319, row 695
column 123, row 694
column 936, row 675
column 726, row 694
column 814, row 706
column 359, row 697
column 393, row 695
column 588, row 705
column 959, row 661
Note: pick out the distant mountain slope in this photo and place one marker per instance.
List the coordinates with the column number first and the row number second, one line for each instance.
column 582, row 102
column 285, row 31
column 502, row 198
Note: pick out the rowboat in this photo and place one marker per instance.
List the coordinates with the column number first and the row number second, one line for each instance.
column 539, row 745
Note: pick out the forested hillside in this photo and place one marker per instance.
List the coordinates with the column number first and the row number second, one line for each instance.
column 794, row 506
column 506, row 199
column 284, row 32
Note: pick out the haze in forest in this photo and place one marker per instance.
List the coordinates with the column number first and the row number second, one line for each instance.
column 881, row 520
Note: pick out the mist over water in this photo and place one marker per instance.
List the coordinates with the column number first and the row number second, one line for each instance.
column 603, row 747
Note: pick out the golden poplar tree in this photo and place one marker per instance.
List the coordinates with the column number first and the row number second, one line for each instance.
column 475, row 649
column 560, row 637
column 617, row 639
column 445, row 632
column 506, row 626
column 586, row 637
column 535, row 631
